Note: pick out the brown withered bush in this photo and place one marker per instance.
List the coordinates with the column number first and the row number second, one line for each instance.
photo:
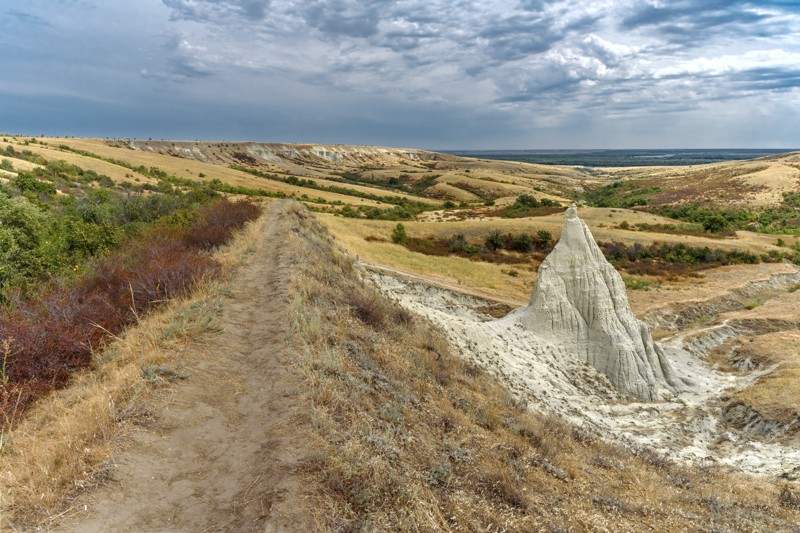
column 52, row 336
column 218, row 221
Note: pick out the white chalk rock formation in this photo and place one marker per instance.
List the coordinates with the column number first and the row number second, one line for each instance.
column 580, row 304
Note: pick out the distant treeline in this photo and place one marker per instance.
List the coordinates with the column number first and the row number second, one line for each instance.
column 619, row 158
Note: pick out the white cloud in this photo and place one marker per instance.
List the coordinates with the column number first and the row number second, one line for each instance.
column 728, row 63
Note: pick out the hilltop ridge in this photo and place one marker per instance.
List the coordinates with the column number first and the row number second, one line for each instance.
column 313, row 155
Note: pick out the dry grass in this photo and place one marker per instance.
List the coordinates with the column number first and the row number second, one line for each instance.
column 484, row 278
column 773, row 342
column 368, row 239
column 414, row 439
column 731, row 184
column 776, row 395
column 52, row 153
column 63, row 446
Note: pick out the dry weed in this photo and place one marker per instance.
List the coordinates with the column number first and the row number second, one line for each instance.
column 414, row 439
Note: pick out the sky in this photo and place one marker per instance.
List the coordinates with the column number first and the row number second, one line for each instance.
column 436, row 74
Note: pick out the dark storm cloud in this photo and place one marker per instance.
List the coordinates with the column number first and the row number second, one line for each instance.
column 516, row 37
column 700, row 13
column 768, row 79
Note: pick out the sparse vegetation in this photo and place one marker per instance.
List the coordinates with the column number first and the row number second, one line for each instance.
column 401, row 201
column 637, row 283
column 625, row 194
column 526, row 205
column 781, row 219
column 668, row 261
column 413, row 438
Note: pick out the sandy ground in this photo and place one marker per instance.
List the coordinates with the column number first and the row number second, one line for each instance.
column 686, row 426
column 225, row 445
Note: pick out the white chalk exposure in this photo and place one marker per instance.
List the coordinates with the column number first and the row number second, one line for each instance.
column 579, row 303
column 553, row 372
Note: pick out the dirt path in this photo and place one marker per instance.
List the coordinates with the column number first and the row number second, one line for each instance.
column 222, row 454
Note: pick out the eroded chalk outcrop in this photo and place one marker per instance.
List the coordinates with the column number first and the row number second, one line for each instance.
column 579, row 303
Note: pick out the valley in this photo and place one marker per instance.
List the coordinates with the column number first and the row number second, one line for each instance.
column 404, row 356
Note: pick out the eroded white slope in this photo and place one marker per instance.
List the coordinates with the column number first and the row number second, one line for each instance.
column 684, row 426
column 580, row 306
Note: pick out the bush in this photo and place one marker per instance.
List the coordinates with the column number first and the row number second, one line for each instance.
column 218, row 221
column 457, row 243
column 636, row 284
column 715, row 224
column 544, row 238
column 53, row 335
column 399, row 235
column 526, row 200
column 523, row 242
column 494, row 241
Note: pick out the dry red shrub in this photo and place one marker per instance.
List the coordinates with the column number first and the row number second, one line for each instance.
column 49, row 337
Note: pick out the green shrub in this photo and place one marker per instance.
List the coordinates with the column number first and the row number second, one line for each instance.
column 526, row 200
column 715, row 224
column 457, row 243
column 635, row 283
column 494, row 241
column 53, row 334
column 399, row 235
column 544, row 238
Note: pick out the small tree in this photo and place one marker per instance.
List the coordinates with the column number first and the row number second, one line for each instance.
column 543, row 237
column 715, row 223
column 494, row 241
column 526, row 200
column 521, row 243
column 399, row 234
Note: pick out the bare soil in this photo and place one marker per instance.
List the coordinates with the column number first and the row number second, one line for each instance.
column 226, row 441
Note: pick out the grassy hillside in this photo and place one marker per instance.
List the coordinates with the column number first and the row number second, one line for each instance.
column 410, row 437
column 414, row 439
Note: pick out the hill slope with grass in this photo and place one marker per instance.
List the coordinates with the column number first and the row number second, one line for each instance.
column 401, row 436
column 388, row 421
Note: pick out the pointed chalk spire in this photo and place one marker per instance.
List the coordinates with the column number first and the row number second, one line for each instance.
column 580, row 303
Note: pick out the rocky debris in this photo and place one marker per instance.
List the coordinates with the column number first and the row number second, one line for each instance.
column 579, row 303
